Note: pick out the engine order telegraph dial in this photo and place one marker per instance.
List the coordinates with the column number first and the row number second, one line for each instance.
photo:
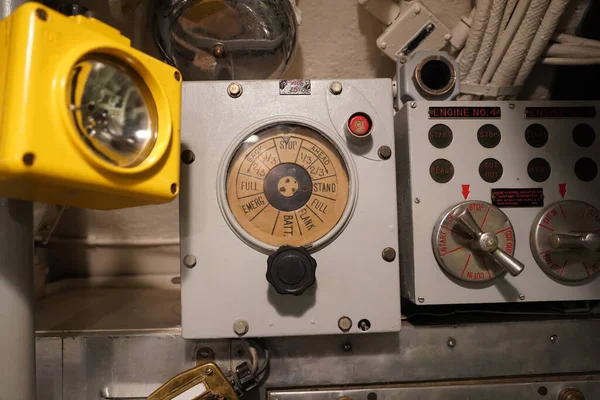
column 474, row 242
column 565, row 240
column 287, row 185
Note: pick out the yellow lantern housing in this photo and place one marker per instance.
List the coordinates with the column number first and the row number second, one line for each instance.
column 85, row 119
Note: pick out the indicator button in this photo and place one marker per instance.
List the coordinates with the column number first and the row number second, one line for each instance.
column 584, row 135
column 489, row 136
column 538, row 169
column 441, row 170
column 586, row 169
column 536, row 135
column 359, row 124
column 490, row 170
column 440, row 136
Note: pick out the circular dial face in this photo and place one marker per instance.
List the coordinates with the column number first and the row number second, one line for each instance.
column 287, row 185
column 452, row 246
column 570, row 263
column 113, row 110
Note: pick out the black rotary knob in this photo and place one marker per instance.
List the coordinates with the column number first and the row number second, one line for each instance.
column 291, row 270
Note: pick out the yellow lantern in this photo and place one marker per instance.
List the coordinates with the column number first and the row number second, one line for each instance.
column 86, row 120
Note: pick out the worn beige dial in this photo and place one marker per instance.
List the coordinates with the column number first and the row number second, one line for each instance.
column 287, row 185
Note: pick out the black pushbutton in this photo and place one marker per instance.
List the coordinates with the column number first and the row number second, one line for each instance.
column 489, row 136
column 291, row 270
column 584, row 135
column 441, row 170
column 586, row 169
column 490, row 170
column 536, row 135
column 440, row 136
column 538, row 170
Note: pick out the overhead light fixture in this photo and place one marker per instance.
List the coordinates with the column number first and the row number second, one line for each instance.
column 86, row 120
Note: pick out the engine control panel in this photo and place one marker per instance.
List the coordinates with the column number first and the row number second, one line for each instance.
column 498, row 201
column 278, row 230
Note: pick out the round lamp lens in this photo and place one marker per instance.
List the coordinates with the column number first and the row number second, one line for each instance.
column 113, row 110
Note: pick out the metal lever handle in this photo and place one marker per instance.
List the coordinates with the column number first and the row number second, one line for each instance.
column 572, row 241
column 487, row 242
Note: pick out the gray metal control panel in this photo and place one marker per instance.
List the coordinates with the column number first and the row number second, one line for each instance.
column 288, row 209
column 499, row 201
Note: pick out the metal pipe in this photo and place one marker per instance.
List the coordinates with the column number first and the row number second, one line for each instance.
column 17, row 330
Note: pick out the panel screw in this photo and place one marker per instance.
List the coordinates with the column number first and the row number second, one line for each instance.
column 383, row 45
column 234, row 90
column 521, row 296
column 384, row 152
column 240, row 327
column 554, row 338
column 177, row 76
column 448, row 37
column 336, row 88
column 403, row 60
column 413, row 105
column 281, row 84
column 417, row 200
column 209, row 371
column 344, row 323
column 41, row 14
column 388, row 254
column 511, row 106
column 417, row 9
column 347, row 347
column 421, row 299
column 451, row 343
column 188, row 157
column 189, row 261
column 571, row 394
column 205, row 353
column 307, row 86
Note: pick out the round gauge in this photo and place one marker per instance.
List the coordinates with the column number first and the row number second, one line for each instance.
column 113, row 110
column 565, row 240
column 287, row 185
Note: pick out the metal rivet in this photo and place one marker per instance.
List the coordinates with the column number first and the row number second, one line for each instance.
column 384, row 152
column 571, row 394
column 448, row 37
column 219, row 50
column 403, row 60
column 417, row 200
column 209, row 371
column 344, row 323
column 240, row 327
column 282, row 84
column 451, row 343
column 421, row 299
column 234, row 90
column 511, row 106
column 388, row 254
column 521, row 296
column 336, row 88
column 28, row 159
column 41, row 14
column 173, row 188
column 307, row 86
column 188, row 157
column 347, row 347
column 413, row 104
column 189, row 261
column 417, row 9
column 554, row 338
column 177, row 76
column 383, row 45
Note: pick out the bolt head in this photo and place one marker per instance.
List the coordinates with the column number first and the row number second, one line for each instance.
column 521, row 296
column 571, row 394
column 413, row 105
column 403, row 60
column 388, row 254
column 383, row 45
column 345, row 324
column 219, row 50
column 209, row 371
column 421, row 299
column 511, row 106
column 417, row 9
column 384, row 152
column 417, row 200
column 336, row 88
column 451, row 343
column 554, row 338
column 448, row 37
column 234, row 90
column 189, row 261
column 240, row 327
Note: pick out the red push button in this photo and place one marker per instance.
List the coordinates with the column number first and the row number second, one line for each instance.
column 359, row 124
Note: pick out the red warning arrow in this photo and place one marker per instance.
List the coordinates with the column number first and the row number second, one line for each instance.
column 562, row 189
column 466, row 191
